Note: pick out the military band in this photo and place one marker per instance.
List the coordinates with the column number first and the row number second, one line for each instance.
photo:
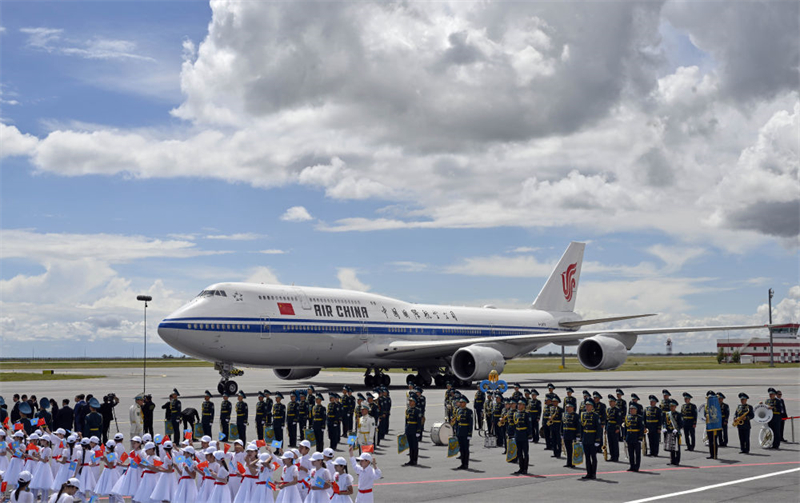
column 689, row 417
column 744, row 414
column 652, row 421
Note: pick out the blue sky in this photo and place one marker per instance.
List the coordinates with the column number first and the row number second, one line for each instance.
column 157, row 147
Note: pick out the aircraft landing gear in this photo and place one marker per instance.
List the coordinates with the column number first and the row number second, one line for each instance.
column 379, row 379
column 422, row 379
column 226, row 385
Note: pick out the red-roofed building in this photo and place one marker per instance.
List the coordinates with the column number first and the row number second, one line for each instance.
column 785, row 345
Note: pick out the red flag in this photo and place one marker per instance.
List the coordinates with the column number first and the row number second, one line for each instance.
column 187, row 435
column 18, row 426
column 32, row 447
column 41, row 422
column 3, row 487
column 157, row 462
column 202, row 465
column 124, row 457
column 270, row 484
column 240, row 467
column 335, row 487
column 285, row 308
column 61, row 445
column 275, row 466
column 5, row 422
column 367, row 448
column 164, row 440
column 102, row 449
column 136, row 459
column 260, row 443
column 227, row 447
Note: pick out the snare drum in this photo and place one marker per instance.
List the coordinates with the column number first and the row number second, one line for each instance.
column 441, row 433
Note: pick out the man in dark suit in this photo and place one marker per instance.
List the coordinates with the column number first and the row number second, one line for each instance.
column 65, row 416
column 80, row 412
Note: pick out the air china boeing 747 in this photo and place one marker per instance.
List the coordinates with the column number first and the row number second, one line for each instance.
column 298, row 330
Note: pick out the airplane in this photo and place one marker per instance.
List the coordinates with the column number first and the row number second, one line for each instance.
column 297, row 331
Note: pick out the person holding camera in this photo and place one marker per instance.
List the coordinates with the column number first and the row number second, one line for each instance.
column 107, row 411
column 147, row 414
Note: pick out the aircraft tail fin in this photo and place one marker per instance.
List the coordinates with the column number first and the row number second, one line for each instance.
column 561, row 289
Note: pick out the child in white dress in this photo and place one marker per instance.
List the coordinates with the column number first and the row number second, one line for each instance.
column 343, row 480
column 166, row 484
column 127, row 484
column 366, row 467
column 85, row 473
column 221, row 493
column 207, row 482
column 17, row 463
column 186, row 491
column 289, row 479
column 108, row 479
column 69, row 455
column 263, row 491
column 148, row 481
column 319, row 471
column 246, row 490
column 43, row 479
column 3, row 452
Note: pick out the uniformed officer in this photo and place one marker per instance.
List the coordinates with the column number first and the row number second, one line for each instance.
column 600, row 410
column 570, row 429
column 268, row 406
column 463, row 431
column 207, row 412
column 713, row 447
column 175, row 415
column 673, row 423
column 292, row 415
column 334, row 418
column 551, row 388
column 43, row 413
column 413, row 419
column 278, row 416
column 622, row 405
column 348, row 408
column 148, row 409
column 725, row 409
column 774, row 423
column 634, row 431
column 689, row 417
column 664, row 405
column 242, row 416
column 422, row 404
column 225, row 410
column 497, row 414
column 545, row 430
column 385, row 403
column 478, row 403
column 520, row 421
column 555, row 429
column 93, row 424
column 303, row 411
column 784, row 413
column 534, row 410
column 569, row 399
column 613, row 421
column 591, row 438
column 318, row 416
column 508, row 419
column 261, row 415
column 517, row 394
column 639, row 407
column 653, row 425
column 745, row 412
column 582, row 405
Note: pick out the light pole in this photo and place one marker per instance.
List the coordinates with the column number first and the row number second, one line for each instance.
column 145, row 299
column 771, row 357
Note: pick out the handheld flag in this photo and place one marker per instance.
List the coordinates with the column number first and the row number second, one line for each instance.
column 187, row 434
column 111, row 456
column 221, row 436
column 157, row 439
column 227, row 448
column 15, row 445
column 351, row 440
column 452, row 447
column 233, row 432
column 101, row 448
column 276, row 444
column 18, row 426
column 318, row 482
column 511, row 452
column 179, row 459
column 240, row 468
column 34, row 421
column 41, row 422
column 368, row 448
column 157, row 462
column 202, row 465
column 32, row 447
column 3, row 446
column 271, row 485
column 73, row 466
column 260, row 443
column 206, row 472
column 93, row 499
column 123, row 457
column 402, row 443
column 335, row 488
column 136, row 460
column 164, row 440
column 3, row 487
column 5, row 422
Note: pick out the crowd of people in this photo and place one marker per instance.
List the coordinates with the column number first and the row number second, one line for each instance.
column 63, row 454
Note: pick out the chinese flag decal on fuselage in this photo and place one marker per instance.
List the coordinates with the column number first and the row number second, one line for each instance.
column 285, row 308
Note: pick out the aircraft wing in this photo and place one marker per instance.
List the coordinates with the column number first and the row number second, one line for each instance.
column 446, row 348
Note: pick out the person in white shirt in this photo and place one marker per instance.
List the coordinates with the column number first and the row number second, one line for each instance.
column 66, row 494
column 343, row 480
column 23, row 494
column 366, row 467
column 365, row 433
column 135, row 417
column 289, row 481
column 319, row 471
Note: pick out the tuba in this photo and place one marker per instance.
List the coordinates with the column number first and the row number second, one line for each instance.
column 765, row 437
column 763, row 414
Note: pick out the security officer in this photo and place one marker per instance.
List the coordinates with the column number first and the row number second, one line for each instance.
column 497, row 414
column 570, row 400
column 520, row 422
column 303, row 411
column 664, row 405
column 634, row 431
column 268, row 405
column 292, row 414
column 673, row 422
column 348, row 408
column 571, row 430
column 548, row 403
column 334, row 418
column 653, row 420
column 478, row 403
column 278, row 416
column 591, row 437
column 555, row 430
column 639, row 407
column 774, row 423
column 746, row 411
column 463, row 432
column 318, row 414
column 422, row 404
column 175, row 416
column 413, row 419
column 784, row 413
column 207, row 411
column 725, row 409
column 689, row 417
column 261, row 416
column 242, row 416
column 622, row 405
column 93, row 423
column 613, row 421
column 534, row 410
column 225, row 415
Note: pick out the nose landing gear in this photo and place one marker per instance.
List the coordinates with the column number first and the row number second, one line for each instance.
column 226, row 385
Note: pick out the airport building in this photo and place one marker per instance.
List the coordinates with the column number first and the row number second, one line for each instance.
column 785, row 346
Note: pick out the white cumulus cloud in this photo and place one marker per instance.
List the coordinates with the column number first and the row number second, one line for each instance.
column 349, row 280
column 296, row 214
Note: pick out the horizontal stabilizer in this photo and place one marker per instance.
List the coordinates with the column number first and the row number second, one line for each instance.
column 581, row 323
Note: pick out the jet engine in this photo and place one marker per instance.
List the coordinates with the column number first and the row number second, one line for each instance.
column 294, row 374
column 603, row 352
column 475, row 362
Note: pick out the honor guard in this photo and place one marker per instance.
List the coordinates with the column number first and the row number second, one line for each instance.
column 278, row 416
column 634, row 434
column 652, row 420
column 242, row 416
column 672, row 426
column 534, row 410
column 261, row 416
column 713, row 434
column 334, row 418
column 570, row 430
column 413, row 421
column 725, row 409
column 774, row 423
column 784, row 413
column 348, row 408
column 591, row 438
column 555, row 426
column 622, row 405
column 318, row 417
column 303, row 410
column 268, row 404
column 664, row 405
column 497, row 414
column 586, row 396
column 613, row 422
column 517, row 394
column 385, row 403
column 744, row 413
column 93, row 423
column 689, row 417
column 548, row 404
column 175, row 415
column 599, row 409
column 570, row 400
column 477, row 404
column 207, row 411
column 463, row 431
column 225, row 410
column 292, row 419
column 421, row 403
column 635, row 402
column 511, row 432
column 521, row 425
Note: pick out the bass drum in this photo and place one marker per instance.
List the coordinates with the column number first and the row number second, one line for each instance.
column 441, row 433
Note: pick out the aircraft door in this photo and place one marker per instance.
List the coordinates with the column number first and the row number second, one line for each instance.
column 304, row 302
column 265, row 328
column 363, row 335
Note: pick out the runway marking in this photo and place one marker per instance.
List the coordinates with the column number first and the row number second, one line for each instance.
column 577, row 472
column 715, row 486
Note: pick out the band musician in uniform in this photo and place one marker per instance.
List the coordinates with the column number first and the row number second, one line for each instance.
column 743, row 415
column 463, row 431
column 672, row 426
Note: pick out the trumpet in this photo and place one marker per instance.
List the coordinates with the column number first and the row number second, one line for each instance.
column 741, row 419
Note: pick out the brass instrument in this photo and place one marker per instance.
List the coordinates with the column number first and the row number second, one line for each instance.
column 644, row 442
column 741, row 419
column 605, row 444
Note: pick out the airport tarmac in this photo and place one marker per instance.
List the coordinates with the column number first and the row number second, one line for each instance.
column 763, row 475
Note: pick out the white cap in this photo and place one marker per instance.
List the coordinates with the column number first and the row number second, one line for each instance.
column 317, row 456
column 340, row 461
column 327, row 452
column 61, row 431
column 296, row 453
column 239, row 442
column 189, row 450
column 219, row 455
column 186, row 442
column 252, row 447
column 205, row 438
column 264, row 456
column 213, row 443
column 119, row 436
column 137, row 438
column 2, row 432
column 24, row 477
column 209, row 450
column 74, row 483
column 94, row 440
column 288, row 455
column 18, row 434
column 306, row 444
column 72, row 439
column 34, row 437
column 149, row 445
column 168, row 444
column 146, row 437
column 110, row 444
column 84, row 441
column 365, row 456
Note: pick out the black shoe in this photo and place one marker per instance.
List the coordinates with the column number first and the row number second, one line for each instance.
column 710, row 457
column 516, row 472
column 586, row 477
column 629, row 470
column 409, row 463
column 567, row 466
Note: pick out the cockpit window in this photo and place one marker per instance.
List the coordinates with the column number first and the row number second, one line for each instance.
column 211, row 293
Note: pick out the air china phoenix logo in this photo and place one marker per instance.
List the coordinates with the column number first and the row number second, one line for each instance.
column 568, row 281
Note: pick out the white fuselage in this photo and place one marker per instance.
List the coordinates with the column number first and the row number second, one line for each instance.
column 277, row 326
